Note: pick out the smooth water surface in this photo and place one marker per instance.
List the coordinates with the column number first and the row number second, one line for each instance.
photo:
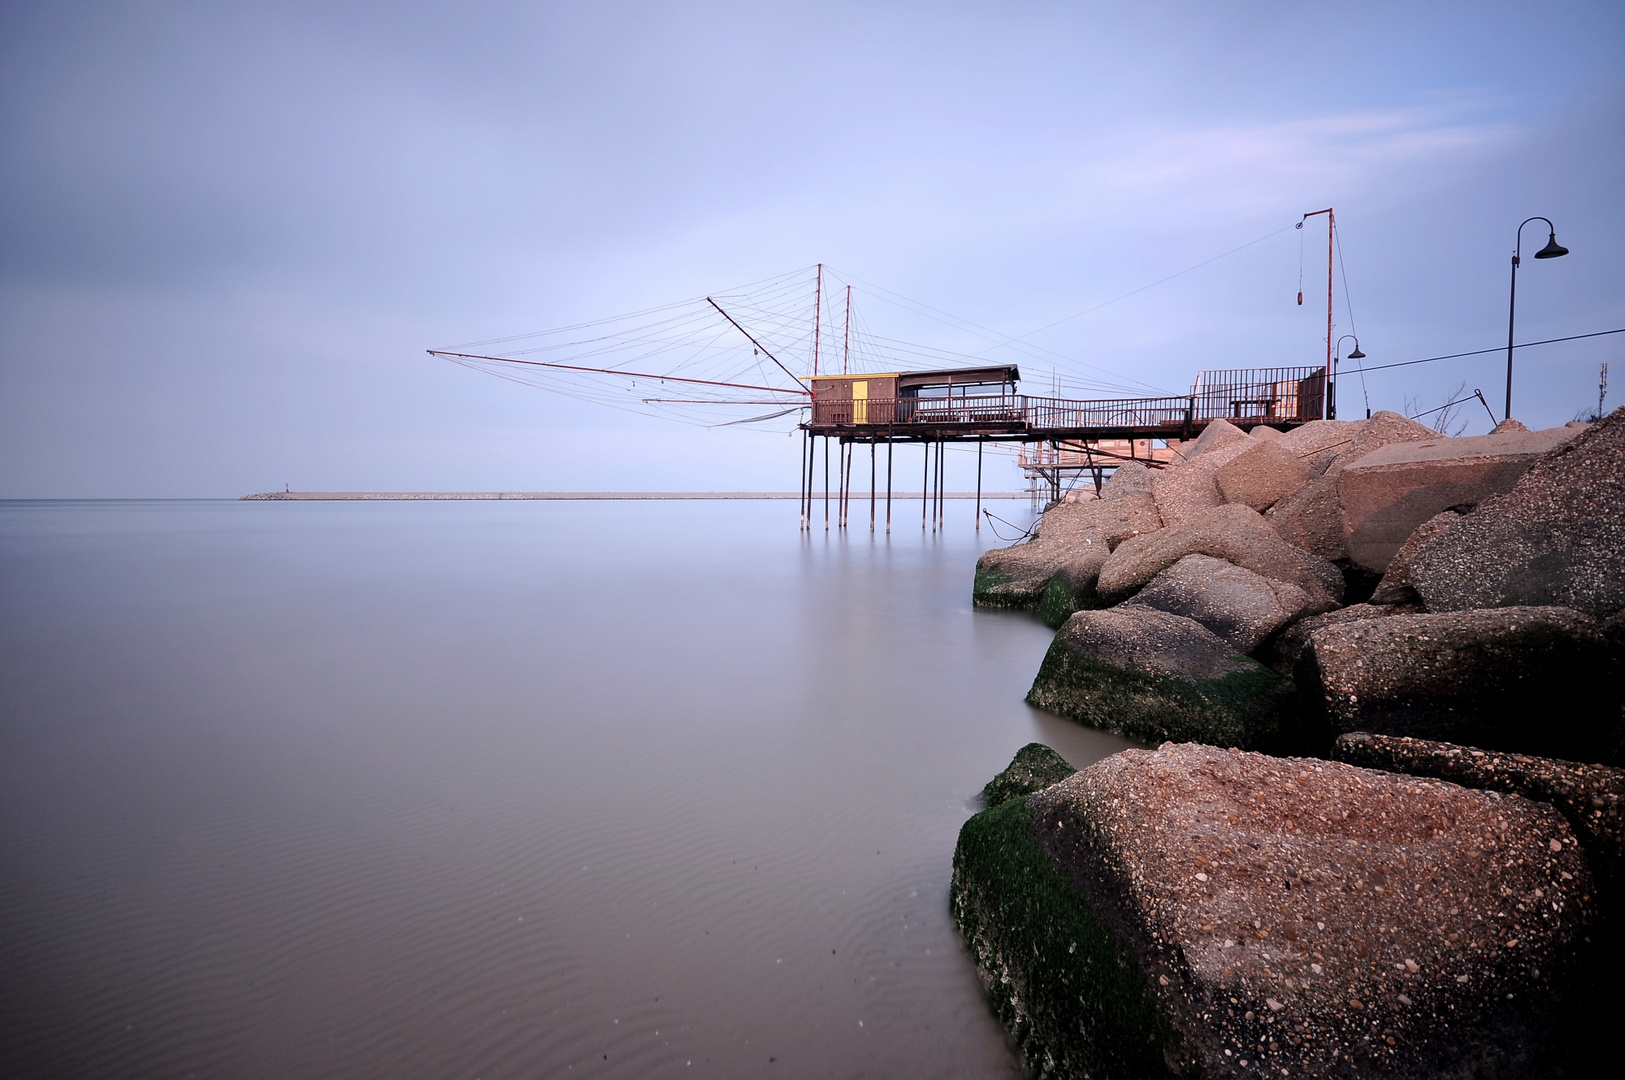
column 494, row 790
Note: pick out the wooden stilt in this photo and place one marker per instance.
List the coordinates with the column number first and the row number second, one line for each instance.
column 872, row 451
column 888, row 486
column 980, row 443
column 925, row 485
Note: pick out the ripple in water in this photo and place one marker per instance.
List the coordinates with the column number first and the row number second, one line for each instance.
column 493, row 790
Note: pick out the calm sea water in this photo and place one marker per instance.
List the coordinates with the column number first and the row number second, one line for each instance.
column 494, row 790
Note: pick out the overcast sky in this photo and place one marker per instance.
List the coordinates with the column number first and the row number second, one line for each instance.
column 231, row 231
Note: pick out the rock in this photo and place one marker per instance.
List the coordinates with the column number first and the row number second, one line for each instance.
column 1383, row 429
column 1387, row 493
column 1072, row 587
column 1237, row 534
column 1558, row 537
column 1395, row 587
column 1240, row 606
column 1128, row 478
column 1311, row 518
column 1591, row 797
column 1187, row 489
column 1262, row 476
column 1537, row 680
column 1016, row 576
column 1284, row 651
column 1195, row 912
column 1034, row 768
column 1319, row 442
column 1056, row 569
column 1150, row 675
column 1128, row 514
column 1217, row 435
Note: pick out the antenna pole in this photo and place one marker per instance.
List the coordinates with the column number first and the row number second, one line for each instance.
column 1330, row 219
column 846, row 344
column 818, row 314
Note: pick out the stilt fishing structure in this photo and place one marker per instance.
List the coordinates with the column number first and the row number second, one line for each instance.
column 733, row 350
column 980, row 405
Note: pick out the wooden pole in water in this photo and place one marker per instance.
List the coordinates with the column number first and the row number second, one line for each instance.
column 925, row 483
column 801, row 483
column 826, row 483
column 979, row 444
column 872, row 451
column 852, row 452
column 888, row 486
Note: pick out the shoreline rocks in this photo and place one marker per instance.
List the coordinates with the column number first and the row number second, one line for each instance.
column 1194, row 911
column 1150, row 915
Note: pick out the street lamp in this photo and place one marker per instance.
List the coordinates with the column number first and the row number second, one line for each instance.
column 1552, row 250
column 1331, row 390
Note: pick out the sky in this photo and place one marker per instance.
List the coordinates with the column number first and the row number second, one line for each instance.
column 229, row 233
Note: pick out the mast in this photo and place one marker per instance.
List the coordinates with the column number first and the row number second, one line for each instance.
column 846, row 343
column 818, row 314
column 1330, row 218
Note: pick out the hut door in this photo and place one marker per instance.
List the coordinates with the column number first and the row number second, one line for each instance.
column 860, row 403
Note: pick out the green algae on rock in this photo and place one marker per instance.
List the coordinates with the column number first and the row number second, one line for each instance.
column 1034, row 767
column 1071, row 995
column 997, row 589
column 1154, row 676
column 1061, row 600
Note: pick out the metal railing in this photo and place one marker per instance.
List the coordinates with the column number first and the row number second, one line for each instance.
column 1260, row 394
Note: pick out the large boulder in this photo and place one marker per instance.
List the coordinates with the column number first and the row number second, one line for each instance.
column 1311, row 518
column 1128, row 515
column 1262, row 476
column 1187, row 489
column 1130, row 477
column 1558, row 537
column 1591, row 797
column 1240, row 606
column 1056, row 569
column 1395, row 586
column 1072, row 586
column 1288, row 646
column 1387, row 493
column 1383, row 429
column 1319, row 442
column 1237, row 534
column 1537, row 680
column 1193, row 912
column 1150, row 675
column 1216, row 436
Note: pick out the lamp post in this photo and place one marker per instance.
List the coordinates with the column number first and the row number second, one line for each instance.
column 1331, row 389
column 1552, row 250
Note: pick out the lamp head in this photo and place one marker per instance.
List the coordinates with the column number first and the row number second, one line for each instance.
column 1552, row 249
column 1356, row 354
